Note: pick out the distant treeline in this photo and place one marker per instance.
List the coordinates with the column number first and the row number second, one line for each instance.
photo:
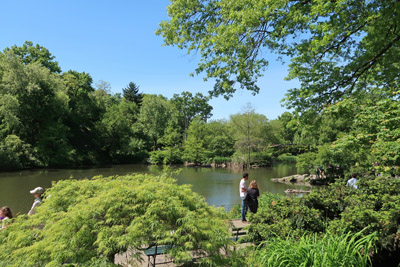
column 52, row 118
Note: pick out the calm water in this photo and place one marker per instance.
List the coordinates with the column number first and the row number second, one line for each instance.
column 220, row 187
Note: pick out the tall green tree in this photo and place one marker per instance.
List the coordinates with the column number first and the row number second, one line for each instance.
column 197, row 141
column 289, row 122
column 155, row 113
column 249, row 128
column 221, row 142
column 337, row 48
column 37, row 103
column 131, row 93
column 83, row 116
column 190, row 106
column 118, row 124
column 30, row 53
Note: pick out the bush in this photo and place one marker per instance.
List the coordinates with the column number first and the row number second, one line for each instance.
column 306, row 161
column 287, row 157
column 337, row 208
column 157, row 157
column 15, row 154
column 221, row 160
column 89, row 221
column 314, row 250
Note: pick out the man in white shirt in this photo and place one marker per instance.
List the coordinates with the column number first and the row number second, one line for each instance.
column 352, row 182
column 243, row 193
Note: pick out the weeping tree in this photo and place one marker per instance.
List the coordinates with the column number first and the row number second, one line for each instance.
column 87, row 222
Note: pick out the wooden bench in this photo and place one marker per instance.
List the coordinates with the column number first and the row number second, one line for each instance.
column 153, row 251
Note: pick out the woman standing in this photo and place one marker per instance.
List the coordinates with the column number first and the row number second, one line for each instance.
column 252, row 196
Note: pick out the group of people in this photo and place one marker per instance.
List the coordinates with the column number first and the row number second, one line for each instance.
column 5, row 212
column 249, row 196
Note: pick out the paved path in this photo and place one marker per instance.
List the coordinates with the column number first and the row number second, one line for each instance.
column 237, row 223
column 126, row 260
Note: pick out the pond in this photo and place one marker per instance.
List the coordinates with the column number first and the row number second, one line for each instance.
column 220, row 187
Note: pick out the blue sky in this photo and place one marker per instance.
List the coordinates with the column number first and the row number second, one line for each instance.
column 114, row 41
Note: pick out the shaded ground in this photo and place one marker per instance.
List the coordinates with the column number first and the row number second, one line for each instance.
column 126, row 259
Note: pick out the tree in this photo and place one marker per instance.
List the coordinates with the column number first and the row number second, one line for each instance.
column 117, row 123
column 221, row 142
column 190, row 106
column 250, row 129
column 83, row 116
column 131, row 93
column 289, row 124
column 196, row 143
column 29, row 53
column 155, row 113
column 15, row 154
column 273, row 133
column 37, row 105
column 337, row 48
column 87, row 222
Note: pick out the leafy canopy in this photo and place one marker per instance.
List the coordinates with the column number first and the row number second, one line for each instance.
column 338, row 48
column 29, row 53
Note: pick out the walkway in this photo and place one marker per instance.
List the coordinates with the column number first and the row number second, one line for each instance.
column 126, row 260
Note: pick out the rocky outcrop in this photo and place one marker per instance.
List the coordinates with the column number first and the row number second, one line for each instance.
column 300, row 179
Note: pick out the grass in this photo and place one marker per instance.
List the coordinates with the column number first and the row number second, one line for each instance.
column 314, row 250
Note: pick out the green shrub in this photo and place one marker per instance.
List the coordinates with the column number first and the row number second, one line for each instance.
column 220, row 160
column 306, row 161
column 315, row 250
column 157, row 157
column 287, row 157
column 90, row 221
column 15, row 154
column 374, row 205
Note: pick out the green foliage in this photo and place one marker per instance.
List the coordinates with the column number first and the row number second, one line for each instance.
column 221, row 143
column 289, row 124
column 196, row 142
column 131, row 93
column 29, row 53
column 87, row 222
column 286, row 158
column 336, row 49
column 117, row 122
column 38, row 104
column 220, row 160
column 306, row 161
column 171, row 156
column 249, row 132
column 190, row 106
column 367, row 140
column 155, row 113
column 315, row 250
column 15, row 154
column 340, row 209
column 82, row 119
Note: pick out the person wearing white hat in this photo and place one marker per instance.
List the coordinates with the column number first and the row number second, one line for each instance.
column 37, row 193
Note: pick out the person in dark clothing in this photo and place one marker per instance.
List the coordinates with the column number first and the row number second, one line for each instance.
column 252, row 196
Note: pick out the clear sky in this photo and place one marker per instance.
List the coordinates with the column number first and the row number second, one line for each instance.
column 114, row 41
